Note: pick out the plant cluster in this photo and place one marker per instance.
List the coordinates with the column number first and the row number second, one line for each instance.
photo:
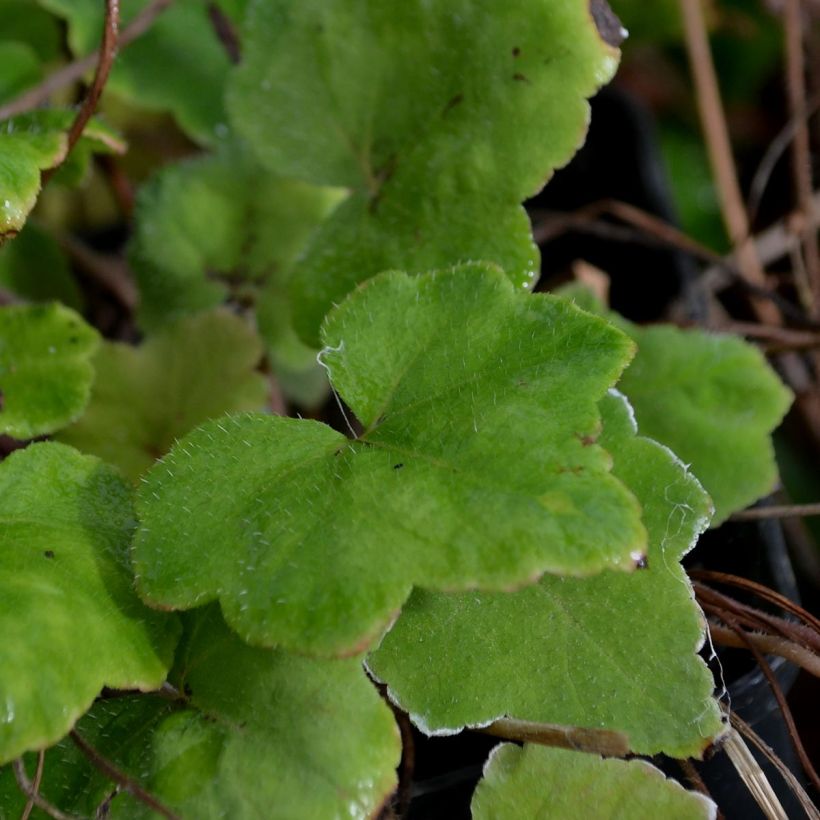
column 197, row 594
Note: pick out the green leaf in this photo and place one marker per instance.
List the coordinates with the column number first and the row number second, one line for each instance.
column 537, row 782
column 35, row 268
column 260, row 733
column 35, row 142
column 220, row 226
column 24, row 22
column 145, row 398
column 710, row 397
column 476, row 468
column 613, row 651
column 45, row 373
column 71, row 621
column 441, row 118
column 178, row 65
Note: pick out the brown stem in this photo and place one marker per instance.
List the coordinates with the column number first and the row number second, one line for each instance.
column 780, row 511
column 36, row 96
column 29, row 790
column 120, row 778
column 597, row 741
column 35, row 788
column 719, row 148
column 801, row 157
column 105, row 59
column 225, row 32
column 768, row 594
column 788, row 719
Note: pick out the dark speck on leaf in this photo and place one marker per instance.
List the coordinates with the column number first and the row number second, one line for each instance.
column 642, row 563
column 398, row 466
column 74, row 339
column 187, row 689
column 49, row 553
column 452, row 103
column 516, row 51
column 520, row 78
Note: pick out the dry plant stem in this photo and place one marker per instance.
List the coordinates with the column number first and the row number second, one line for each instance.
column 770, row 595
column 35, row 788
column 801, row 157
column 716, row 132
column 27, row 787
column 781, row 702
column 744, row 729
column 753, row 776
column 120, row 778
column 780, row 511
column 225, row 32
column 597, row 741
column 105, row 59
column 36, row 96
column 770, row 644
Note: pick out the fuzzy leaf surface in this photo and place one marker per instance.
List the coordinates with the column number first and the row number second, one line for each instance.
column 45, row 368
column 70, row 619
column 613, row 651
column 261, row 733
column 476, row 467
column 536, row 783
column 35, row 142
column 710, row 397
column 178, row 65
column 145, row 398
column 493, row 99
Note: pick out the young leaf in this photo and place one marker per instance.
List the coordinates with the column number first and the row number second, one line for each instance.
column 45, row 372
column 32, row 143
column 519, row 782
column 712, row 398
column 477, row 468
column 259, row 733
column 70, row 620
column 219, row 226
column 178, row 65
column 492, row 99
column 145, row 398
column 614, row 651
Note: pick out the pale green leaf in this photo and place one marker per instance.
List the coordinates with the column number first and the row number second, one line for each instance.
column 178, row 65
column 440, row 117
column 35, row 268
column 710, row 397
column 613, row 651
column 70, row 619
column 35, row 142
column 477, row 467
column 538, row 783
column 146, row 398
column 45, row 372
column 260, row 734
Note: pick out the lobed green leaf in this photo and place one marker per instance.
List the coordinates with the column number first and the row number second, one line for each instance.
column 70, row 619
column 477, row 467
column 440, row 117
column 613, row 651
column 537, row 782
